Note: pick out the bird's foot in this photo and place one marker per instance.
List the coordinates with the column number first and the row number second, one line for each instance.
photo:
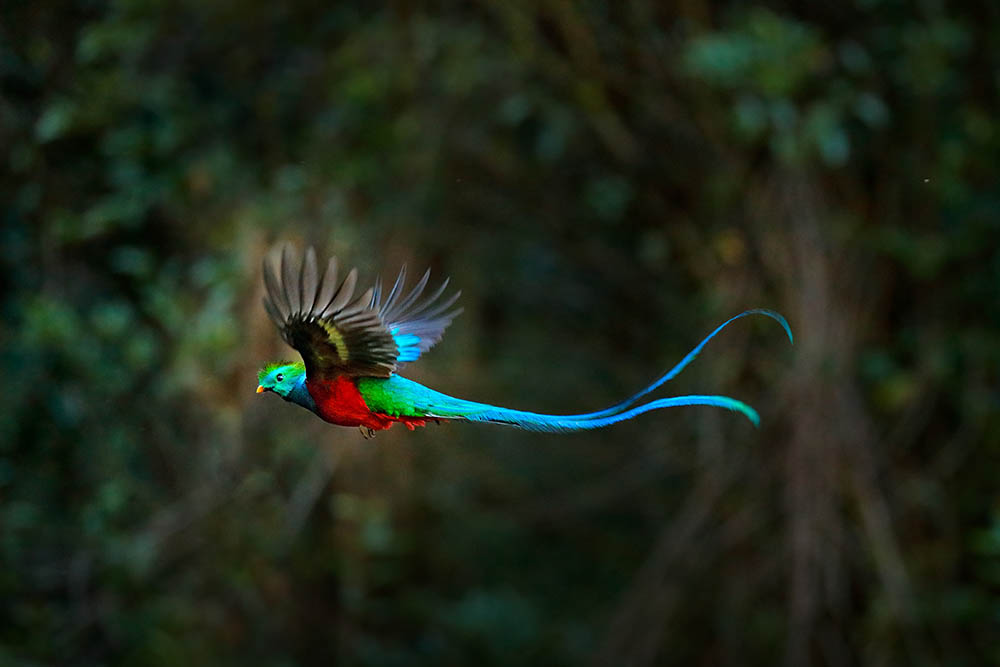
column 367, row 431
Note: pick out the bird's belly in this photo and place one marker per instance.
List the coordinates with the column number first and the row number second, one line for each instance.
column 339, row 402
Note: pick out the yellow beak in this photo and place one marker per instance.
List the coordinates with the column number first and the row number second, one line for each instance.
column 260, row 389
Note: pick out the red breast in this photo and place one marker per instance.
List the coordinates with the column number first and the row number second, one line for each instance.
column 338, row 401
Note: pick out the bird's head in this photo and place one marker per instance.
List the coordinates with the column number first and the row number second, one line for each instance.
column 283, row 378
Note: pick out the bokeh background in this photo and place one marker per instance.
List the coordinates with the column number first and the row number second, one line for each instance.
column 606, row 181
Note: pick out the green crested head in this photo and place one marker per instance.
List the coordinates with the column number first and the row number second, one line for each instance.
column 285, row 378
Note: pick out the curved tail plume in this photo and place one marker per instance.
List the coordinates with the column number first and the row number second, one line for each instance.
column 435, row 405
column 683, row 363
column 530, row 421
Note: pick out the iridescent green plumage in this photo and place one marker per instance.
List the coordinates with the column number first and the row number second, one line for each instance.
column 272, row 366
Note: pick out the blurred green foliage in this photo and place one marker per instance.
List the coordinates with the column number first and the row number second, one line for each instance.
column 606, row 182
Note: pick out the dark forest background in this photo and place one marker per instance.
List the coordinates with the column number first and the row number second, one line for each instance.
column 606, row 182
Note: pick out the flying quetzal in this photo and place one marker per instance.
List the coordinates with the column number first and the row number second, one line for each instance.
column 352, row 347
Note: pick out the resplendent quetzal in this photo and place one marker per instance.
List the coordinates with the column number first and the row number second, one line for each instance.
column 352, row 347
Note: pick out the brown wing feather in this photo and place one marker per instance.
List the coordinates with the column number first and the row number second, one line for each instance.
column 338, row 334
column 335, row 333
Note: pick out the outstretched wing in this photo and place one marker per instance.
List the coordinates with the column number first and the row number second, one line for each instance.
column 337, row 334
column 415, row 324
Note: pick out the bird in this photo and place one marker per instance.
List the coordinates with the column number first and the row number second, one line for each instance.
column 352, row 348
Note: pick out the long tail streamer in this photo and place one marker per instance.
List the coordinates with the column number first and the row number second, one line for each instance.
column 448, row 407
column 683, row 363
column 531, row 421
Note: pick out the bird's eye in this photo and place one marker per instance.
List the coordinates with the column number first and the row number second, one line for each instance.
column 279, row 377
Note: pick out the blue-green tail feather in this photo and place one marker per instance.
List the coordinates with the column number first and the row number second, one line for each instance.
column 531, row 421
column 397, row 396
column 676, row 370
